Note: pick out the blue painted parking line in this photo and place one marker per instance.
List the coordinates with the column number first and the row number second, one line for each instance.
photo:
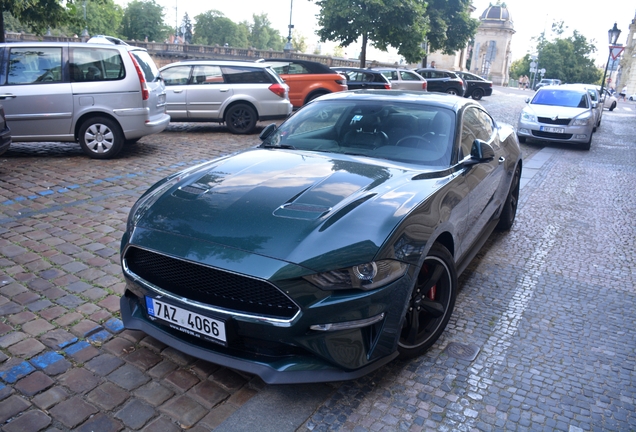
column 100, row 337
column 75, row 348
column 114, row 325
column 16, row 372
column 47, row 359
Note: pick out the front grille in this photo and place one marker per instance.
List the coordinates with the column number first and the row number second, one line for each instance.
column 210, row 286
column 558, row 136
column 558, row 121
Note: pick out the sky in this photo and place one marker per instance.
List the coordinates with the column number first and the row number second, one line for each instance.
column 530, row 18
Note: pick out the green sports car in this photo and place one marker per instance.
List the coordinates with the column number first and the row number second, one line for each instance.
column 331, row 248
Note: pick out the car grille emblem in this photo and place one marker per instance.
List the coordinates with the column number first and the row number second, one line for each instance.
column 555, row 118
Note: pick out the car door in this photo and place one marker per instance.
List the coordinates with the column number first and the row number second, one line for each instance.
column 176, row 79
column 410, row 81
column 35, row 95
column 483, row 179
column 207, row 92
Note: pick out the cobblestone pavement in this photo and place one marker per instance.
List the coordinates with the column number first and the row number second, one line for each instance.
column 550, row 305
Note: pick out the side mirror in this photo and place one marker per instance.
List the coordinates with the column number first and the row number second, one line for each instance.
column 594, row 104
column 527, row 100
column 268, row 131
column 480, row 152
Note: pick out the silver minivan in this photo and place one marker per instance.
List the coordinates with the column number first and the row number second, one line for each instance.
column 235, row 92
column 101, row 96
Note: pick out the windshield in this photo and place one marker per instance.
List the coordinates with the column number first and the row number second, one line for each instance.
column 403, row 132
column 146, row 64
column 565, row 98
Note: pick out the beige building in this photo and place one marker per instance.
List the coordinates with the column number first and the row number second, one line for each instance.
column 490, row 52
column 627, row 73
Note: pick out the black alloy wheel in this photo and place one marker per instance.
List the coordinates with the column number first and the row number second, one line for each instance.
column 478, row 94
column 431, row 303
column 240, row 119
column 509, row 211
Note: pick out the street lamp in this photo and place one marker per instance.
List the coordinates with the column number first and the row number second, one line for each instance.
column 288, row 45
column 612, row 36
column 85, row 34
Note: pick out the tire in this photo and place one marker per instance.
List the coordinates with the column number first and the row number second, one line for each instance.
column 101, row 138
column 430, row 305
column 509, row 211
column 613, row 106
column 452, row 91
column 521, row 139
column 586, row 146
column 478, row 94
column 240, row 119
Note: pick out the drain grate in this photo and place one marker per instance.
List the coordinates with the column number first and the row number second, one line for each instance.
column 462, row 351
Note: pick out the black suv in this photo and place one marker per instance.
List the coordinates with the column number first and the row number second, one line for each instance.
column 443, row 81
column 476, row 86
column 363, row 78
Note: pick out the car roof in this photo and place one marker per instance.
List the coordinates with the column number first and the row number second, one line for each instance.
column 564, row 87
column 218, row 63
column 348, row 68
column 311, row 66
column 386, row 96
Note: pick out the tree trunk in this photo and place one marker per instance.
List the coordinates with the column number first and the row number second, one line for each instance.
column 1, row 21
column 363, row 51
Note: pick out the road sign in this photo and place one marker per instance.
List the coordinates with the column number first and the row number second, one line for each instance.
column 616, row 51
column 533, row 70
column 533, row 65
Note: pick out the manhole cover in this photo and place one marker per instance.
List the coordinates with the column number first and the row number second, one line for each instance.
column 462, row 351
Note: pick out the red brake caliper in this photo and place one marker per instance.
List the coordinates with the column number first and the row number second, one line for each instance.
column 432, row 292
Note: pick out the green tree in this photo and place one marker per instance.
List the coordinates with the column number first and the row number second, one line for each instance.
column 214, row 28
column 299, row 42
column 144, row 19
column 263, row 36
column 102, row 17
column 38, row 15
column 402, row 24
column 520, row 67
column 568, row 59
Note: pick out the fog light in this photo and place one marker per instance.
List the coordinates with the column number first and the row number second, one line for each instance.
column 348, row 324
column 580, row 136
column 524, row 131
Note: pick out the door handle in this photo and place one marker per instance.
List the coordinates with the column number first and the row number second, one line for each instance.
column 177, row 91
column 502, row 159
column 7, row 96
column 223, row 90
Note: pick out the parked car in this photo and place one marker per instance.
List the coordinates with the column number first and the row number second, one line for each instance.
column 402, row 79
column 442, row 81
column 476, row 86
column 558, row 113
column 307, row 80
column 237, row 93
column 5, row 132
column 609, row 100
column 547, row 82
column 595, row 98
column 632, row 97
column 330, row 249
column 368, row 79
column 100, row 95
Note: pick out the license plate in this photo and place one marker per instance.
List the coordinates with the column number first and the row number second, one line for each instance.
column 552, row 129
column 183, row 320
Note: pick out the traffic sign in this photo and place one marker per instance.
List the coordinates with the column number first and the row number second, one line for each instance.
column 616, row 51
column 533, row 65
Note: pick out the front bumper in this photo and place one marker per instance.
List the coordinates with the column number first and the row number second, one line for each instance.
column 569, row 134
column 280, row 349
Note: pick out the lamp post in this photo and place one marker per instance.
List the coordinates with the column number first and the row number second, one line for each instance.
column 85, row 34
column 288, row 45
column 612, row 36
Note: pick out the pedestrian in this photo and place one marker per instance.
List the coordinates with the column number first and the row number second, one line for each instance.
column 520, row 83
column 433, row 64
column 623, row 94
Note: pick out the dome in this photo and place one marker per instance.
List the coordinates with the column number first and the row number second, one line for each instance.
column 498, row 12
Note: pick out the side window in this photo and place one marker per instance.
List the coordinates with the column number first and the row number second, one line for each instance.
column 245, row 75
column 593, row 95
column 476, row 124
column 408, row 76
column 203, row 74
column 177, row 75
column 96, row 64
column 31, row 65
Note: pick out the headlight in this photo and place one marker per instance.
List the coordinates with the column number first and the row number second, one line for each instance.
column 365, row 276
column 583, row 120
column 526, row 116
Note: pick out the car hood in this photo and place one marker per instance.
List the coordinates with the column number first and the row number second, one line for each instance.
column 311, row 209
column 555, row 111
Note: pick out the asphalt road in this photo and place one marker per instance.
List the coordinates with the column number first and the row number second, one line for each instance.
column 546, row 310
